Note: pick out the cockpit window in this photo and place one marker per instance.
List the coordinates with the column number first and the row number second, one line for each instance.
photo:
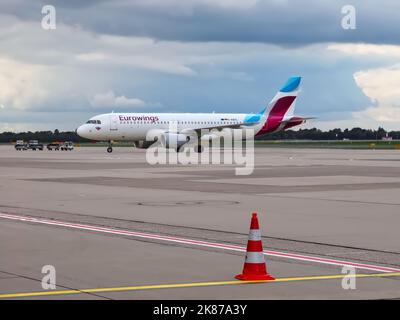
column 94, row 121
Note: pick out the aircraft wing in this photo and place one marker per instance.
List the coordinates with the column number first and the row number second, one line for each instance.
column 239, row 125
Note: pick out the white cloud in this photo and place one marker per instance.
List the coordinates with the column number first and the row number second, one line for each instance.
column 20, row 85
column 381, row 85
column 73, row 46
column 366, row 49
column 19, row 127
column 108, row 100
column 91, row 56
column 58, row 70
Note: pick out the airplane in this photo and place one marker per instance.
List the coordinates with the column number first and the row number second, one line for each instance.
column 277, row 116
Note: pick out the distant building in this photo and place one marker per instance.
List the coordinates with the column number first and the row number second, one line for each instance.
column 387, row 138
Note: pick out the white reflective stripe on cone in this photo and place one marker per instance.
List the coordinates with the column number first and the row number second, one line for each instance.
column 255, row 234
column 255, row 257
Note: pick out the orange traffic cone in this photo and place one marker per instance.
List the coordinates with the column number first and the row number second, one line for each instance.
column 254, row 265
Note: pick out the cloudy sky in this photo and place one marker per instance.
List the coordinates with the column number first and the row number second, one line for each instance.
column 197, row 56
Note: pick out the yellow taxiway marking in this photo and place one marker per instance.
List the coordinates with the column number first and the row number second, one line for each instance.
column 187, row 285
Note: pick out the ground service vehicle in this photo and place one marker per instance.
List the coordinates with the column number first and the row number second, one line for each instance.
column 53, row 146
column 67, row 146
column 35, row 145
column 20, row 145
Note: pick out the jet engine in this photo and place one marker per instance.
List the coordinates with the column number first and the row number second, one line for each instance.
column 143, row 144
column 210, row 137
column 173, row 140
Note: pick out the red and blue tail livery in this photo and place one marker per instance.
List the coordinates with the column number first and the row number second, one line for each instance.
column 279, row 115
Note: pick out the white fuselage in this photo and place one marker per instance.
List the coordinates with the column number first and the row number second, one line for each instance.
column 136, row 126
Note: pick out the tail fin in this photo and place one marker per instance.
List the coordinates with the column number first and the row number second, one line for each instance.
column 283, row 104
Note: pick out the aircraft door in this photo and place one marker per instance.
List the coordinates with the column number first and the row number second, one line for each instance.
column 113, row 122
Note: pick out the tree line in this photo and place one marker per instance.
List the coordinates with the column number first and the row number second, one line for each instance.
column 42, row 136
column 302, row 134
column 334, row 134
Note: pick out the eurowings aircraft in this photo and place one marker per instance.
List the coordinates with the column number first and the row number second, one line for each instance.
column 278, row 115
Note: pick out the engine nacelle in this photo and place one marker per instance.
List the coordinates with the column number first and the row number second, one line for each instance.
column 143, row 144
column 174, row 140
column 210, row 137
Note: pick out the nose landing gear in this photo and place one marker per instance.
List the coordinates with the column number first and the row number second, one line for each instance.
column 109, row 149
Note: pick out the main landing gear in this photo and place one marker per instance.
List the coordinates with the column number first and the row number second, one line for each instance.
column 199, row 148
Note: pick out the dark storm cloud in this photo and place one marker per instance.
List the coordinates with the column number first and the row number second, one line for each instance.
column 284, row 22
column 212, row 64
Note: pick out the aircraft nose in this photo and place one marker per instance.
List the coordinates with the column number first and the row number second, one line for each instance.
column 80, row 131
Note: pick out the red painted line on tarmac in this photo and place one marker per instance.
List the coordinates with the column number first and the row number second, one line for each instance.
column 279, row 254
